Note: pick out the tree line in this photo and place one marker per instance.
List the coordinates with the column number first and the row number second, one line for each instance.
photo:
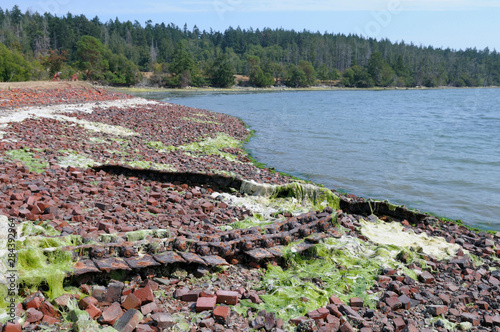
column 35, row 46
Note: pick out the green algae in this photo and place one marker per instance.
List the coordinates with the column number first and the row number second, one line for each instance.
column 256, row 220
column 346, row 267
column 28, row 228
column 142, row 234
column 40, row 267
column 143, row 164
column 160, row 147
column 214, row 146
column 318, row 197
column 27, row 158
column 75, row 158
column 197, row 120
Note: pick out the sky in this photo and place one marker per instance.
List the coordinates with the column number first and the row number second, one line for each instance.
column 457, row 24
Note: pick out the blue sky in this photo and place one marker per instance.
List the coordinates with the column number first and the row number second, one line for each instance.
column 457, row 24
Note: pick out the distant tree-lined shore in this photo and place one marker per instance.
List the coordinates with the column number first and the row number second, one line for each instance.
column 36, row 46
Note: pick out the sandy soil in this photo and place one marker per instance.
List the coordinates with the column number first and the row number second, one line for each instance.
column 40, row 84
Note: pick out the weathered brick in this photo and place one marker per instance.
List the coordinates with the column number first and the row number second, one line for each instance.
column 129, row 321
column 93, row 311
column 111, row 314
column 205, row 303
column 221, row 313
column 131, row 302
column 33, row 315
column 145, row 294
column 227, row 297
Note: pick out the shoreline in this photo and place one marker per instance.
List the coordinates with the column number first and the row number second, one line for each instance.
column 159, row 217
column 283, row 89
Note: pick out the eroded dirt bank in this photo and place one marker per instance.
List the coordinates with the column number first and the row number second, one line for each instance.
column 135, row 215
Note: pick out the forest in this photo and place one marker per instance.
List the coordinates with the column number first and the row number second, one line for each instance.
column 35, row 46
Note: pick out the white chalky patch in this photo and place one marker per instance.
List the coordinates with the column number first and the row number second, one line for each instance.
column 394, row 234
column 24, row 113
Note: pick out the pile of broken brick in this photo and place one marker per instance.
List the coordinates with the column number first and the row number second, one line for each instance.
column 175, row 277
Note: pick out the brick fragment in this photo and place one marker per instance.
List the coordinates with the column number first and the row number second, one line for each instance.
column 129, row 321
column 93, row 311
column 145, row 295
column 221, row 313
column 111, row 314
column 227, row 297
column 33, row 315
column 426, row 277
column 131, row 302
column 205, row 303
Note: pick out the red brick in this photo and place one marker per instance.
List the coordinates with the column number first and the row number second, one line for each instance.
column 93, row 311
column 129, row 321
column 399, row 324
column 86, row 301
column 149, row 308
column 144, row 328
column 50, row 320
column 356, row 302
column 227, row 297
column 318, row 314
column 131, row 302
column 346, row 327
column 222, row 313
column 426, row 277
column 471, row 318
column 33, row 315
column 145, row 295
column 335, row 300
column 48, row 309
column 35, row 303
column 205, row 303
column 334, row 310
column 191, row 296
column 436, row 310
column 9, row 327
column 393, row 303
column 63, row 300
column 152, row 284
column 111, row 314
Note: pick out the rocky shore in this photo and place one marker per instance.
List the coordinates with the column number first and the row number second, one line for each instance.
column 135, row 215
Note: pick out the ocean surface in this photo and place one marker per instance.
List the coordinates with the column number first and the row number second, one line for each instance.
column 433, row 150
